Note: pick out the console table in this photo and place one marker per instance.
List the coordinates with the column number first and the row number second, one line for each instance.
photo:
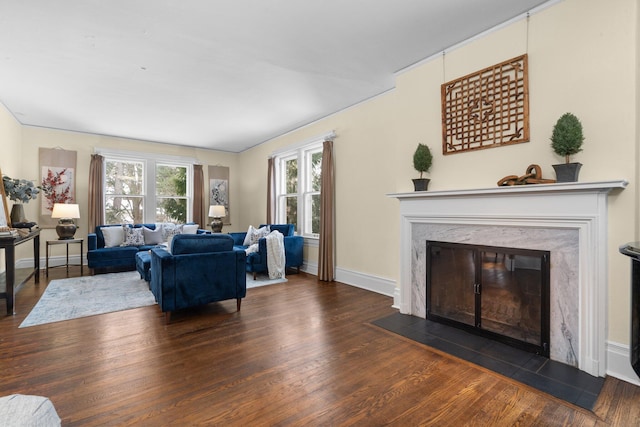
column 10, row 286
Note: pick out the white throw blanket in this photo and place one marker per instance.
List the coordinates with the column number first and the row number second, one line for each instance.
column 275, row 255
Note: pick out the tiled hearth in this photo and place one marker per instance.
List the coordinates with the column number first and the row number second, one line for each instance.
column 569, row 220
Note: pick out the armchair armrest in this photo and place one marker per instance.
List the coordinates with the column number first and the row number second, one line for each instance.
column 293, row 250
column 92, row 242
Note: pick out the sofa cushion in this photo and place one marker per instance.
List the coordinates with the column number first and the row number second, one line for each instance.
column 109, row 254
column 133, row 236
column 152, row 237
column 200, row 243
column 113, row 236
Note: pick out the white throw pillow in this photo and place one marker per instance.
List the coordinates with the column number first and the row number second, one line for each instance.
column 152, row 237
column 255, row 234
column 113, row 236
column 133, row 236
column 190, row 229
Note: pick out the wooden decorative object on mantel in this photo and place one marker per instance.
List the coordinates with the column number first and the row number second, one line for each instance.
column 488, row 108
column 533, row 176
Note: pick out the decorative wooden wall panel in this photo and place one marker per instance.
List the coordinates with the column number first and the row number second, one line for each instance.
column 488, row 108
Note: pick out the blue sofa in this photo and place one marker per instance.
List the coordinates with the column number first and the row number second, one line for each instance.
column 257, row 261
column 197, row 270
column 120, row 258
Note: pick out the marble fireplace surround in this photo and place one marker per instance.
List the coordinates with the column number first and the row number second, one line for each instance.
column 567, row 219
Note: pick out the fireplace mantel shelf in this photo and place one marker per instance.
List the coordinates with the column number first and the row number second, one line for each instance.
column 570, row 187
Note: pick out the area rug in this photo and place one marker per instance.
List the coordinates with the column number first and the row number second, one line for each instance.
column 262, row 280
column 66, row 299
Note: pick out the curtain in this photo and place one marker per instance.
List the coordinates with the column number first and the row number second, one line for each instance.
column 271, row 190
column 327, row 208
column 198, row 195
column 96, row 192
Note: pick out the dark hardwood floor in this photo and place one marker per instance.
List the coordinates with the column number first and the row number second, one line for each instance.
column 300, row 353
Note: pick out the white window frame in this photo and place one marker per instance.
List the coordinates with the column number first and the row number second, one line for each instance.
column 150, row 161
column 301, row 152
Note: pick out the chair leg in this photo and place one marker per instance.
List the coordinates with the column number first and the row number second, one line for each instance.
column 238, row 302
column 167, row 317
column 255, row 275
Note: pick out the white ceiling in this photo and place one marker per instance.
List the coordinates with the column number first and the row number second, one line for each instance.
column 225, row 75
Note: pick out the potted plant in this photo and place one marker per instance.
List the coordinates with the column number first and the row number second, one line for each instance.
column 422, row 160
column 20, row 191
column 566, row 140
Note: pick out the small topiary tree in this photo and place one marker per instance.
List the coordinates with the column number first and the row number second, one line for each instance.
column 422, row 159
column 567, row 136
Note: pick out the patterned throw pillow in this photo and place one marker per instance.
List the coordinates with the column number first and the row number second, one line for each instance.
column 255, row 234
column 113, row 236
column 168, row 230
column 133, row 236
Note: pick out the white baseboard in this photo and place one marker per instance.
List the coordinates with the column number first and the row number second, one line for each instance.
column 619, row 364
column 371, row 283
column 54, row 261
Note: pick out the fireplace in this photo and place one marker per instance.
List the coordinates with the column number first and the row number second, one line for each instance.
column 568, row 220
column 500, row 293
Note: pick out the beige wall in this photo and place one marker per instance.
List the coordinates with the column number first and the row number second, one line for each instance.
column 582, row 59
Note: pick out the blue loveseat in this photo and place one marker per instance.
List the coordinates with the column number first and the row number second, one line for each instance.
column 257, row 261
column 197, row 270
column 119, row 258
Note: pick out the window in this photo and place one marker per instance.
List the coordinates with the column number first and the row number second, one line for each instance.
column 171, row 193
column 141, row 189
column 124, row 192
column 298, row 180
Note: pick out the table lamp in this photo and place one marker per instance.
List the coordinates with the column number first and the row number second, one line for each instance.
column 217, row 212
column 66, row 212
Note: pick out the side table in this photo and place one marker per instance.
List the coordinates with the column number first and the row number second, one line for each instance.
column 65, row 242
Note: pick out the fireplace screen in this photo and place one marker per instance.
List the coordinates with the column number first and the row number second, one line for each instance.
column 498, row 292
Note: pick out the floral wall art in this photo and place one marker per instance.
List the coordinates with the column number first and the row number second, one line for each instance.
column 58, row 181
column 219, row 189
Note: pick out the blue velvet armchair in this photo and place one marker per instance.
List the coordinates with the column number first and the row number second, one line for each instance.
column 197, row 270
column 257, row 261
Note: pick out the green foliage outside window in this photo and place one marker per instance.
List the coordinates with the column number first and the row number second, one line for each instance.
column 171, row 188
column 123, row 192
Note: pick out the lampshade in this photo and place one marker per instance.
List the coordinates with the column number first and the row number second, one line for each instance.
column 217, row 211
column 65, row 210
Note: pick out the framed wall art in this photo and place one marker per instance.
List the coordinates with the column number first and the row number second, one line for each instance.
column 58, row 181
column 487, row 108
column 219, row 189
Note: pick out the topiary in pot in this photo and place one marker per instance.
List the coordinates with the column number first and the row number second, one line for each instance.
column 566, row 140
column 422, row 160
